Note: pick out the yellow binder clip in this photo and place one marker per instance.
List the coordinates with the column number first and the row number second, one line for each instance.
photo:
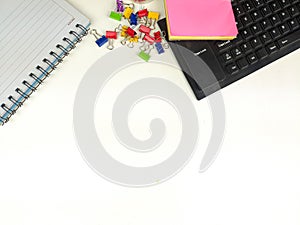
column 133, row 40
column 122, row 29
column 127, row 12
column 152, row 19
column 153, row 15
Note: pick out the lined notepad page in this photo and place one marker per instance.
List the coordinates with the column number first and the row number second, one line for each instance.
column 29, row 31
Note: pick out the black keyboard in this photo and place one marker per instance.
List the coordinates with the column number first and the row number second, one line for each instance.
column 268, row 30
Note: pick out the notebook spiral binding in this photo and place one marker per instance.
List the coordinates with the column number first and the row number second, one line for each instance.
column 38, row 80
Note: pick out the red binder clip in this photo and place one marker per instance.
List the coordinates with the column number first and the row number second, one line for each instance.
column 142, row 13
column 111, row 35
column 144, row 29
column 143, row 16
column 149, row 39
column 157, row 36
column 131, row 32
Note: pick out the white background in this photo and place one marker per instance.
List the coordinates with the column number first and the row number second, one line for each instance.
column 255, row 180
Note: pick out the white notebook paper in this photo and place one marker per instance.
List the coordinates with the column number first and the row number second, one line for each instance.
column 35, row 35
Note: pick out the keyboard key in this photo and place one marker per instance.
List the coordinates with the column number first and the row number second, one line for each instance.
column 275, row 19
column 258, row 3
column 275, row 33
column 275, row 6
column 255, row 43
column 266, row 11
column 232, row 68
column 227, row 57
column 266, row 37
column 252, row 58
column 285, row 3
column 272, row 48
column 266, row 24
column 261, row 53
column 256, row 29
column 284, row 15
column 294, row 24
column 284, row 28
column 248, row 6
column 289, row 40
column 246, row 47
column 246, row 20
column 222, row 45
column 256, row 15
column 236, row 51
column 293, row 11
column 242, row 63
column 246, row 34
column 238, row 10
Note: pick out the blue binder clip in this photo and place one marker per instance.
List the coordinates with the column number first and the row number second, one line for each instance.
column 159, row 48
column 134, row 19
column 100, row 39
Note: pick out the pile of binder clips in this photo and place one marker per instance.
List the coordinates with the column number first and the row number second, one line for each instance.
column 141, row 30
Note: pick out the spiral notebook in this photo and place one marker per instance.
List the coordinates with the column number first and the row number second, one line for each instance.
column 35, row 36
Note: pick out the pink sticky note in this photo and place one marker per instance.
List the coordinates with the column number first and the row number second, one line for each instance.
column 200, row 19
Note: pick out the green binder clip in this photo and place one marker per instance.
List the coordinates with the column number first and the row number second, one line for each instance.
column 115, row 16
column 145, row 53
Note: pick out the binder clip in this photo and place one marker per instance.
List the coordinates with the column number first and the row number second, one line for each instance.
column 133, row 19
column 130, row 32
column 128, row 11
column 159, row 48
column 122, row 30
column 120, row 6
column 111, row 35
column 115, row 16
column 132, row 41
column 157, row 37
column 149, row 39
column 124, row 34
column 152, row 19
column 100, row 39
column 143, row 31
column 144, row 54
column 142, row 15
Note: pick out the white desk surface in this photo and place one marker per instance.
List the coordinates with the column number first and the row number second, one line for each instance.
column 255, row 179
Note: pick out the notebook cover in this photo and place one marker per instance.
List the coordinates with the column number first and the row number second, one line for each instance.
column 200, row 20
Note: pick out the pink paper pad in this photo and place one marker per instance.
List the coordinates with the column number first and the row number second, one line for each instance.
column 201, row 18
